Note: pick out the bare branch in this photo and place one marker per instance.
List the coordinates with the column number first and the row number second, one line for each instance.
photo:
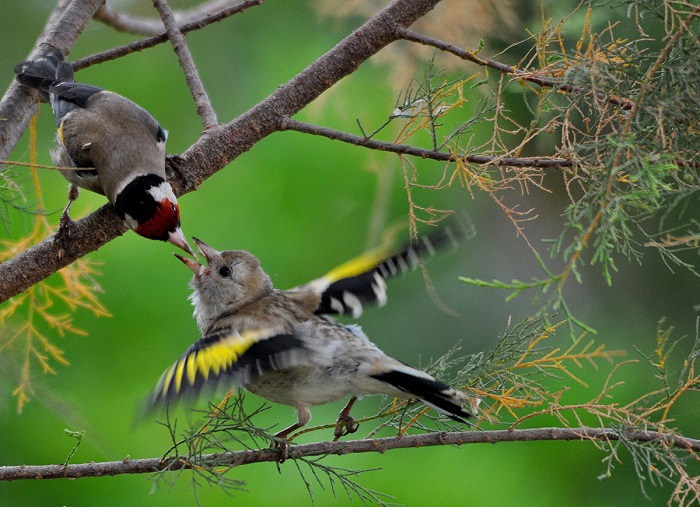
column 199, row 94
column 162, row 37
column 381, row 445
column 531, row 77
column 336, row 135
column 150, row 26
column 218, row 146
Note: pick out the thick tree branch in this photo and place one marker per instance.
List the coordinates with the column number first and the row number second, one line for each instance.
column 222, row 144
column 177, row 39
column 402, row 149
column 381, row 445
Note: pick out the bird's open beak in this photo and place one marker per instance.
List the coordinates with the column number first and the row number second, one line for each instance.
column 206, row 251
column 197, row 268
column 177, row 238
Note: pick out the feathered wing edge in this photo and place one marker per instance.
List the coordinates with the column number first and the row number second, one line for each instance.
column 227, row 356
column 362, row 280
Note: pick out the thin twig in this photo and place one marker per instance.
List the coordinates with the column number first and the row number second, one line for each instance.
column 507, row 69
column 306, row 128
column 113, row 54
column 381, row 445
column 150, row 26
column 608, row 198
column 199, row 94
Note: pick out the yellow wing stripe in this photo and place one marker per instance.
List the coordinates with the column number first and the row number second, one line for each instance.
column 178, row 375
column 167, row 378
column 201, row 365
column 60, row 133
column 212, row 359
column 191, row 368
column 358, row 265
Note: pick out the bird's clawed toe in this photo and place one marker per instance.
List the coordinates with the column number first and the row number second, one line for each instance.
column 345, row 425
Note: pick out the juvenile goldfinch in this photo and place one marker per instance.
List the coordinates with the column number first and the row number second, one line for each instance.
column 280, row 344
column 120, row 145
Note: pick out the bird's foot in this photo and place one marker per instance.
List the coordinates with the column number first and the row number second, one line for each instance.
column 64, row 225
column 283, row 446
column 66, row 221
column 345, row 425
column 63, row 232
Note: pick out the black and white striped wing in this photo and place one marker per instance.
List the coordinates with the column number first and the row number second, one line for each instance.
column 231, row 357
column 346, row 289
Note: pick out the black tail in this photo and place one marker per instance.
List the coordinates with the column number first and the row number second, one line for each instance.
column 435, row 394
column 45, row 71
column 54, row 78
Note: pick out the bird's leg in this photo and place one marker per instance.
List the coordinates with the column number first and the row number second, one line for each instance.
column 303, row 417
column 346, row 423
column 66, row 220
column 283, row 443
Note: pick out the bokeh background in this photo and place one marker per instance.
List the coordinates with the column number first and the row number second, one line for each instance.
column 303, row 205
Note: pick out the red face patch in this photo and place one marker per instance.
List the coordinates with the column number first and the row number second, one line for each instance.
column 165, row 220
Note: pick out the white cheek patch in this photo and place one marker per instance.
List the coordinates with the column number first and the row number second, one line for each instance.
column 163, row 192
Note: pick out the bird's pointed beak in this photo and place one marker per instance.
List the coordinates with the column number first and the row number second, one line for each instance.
column 197, row 268
column 177, row 238
column 208, row 252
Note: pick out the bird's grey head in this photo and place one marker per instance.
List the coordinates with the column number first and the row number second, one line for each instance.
column 231, row 280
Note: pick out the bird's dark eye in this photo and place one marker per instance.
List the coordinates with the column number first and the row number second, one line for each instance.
column 225, row 271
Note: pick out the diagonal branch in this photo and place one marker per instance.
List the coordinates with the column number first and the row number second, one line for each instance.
column 381, row 445
column 220, row 145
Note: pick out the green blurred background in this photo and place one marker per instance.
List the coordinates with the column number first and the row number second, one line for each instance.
column 303, row 205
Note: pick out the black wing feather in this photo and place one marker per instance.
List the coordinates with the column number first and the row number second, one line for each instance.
column 230, row 357
column 347, row 295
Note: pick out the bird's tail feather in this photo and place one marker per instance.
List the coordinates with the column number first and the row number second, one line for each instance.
column 435, row 394
column 45, row 71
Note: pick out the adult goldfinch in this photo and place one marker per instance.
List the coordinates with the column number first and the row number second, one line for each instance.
column 120, row 145
column 281, row 344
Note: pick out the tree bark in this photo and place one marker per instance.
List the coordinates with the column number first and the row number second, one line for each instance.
column 381, row 445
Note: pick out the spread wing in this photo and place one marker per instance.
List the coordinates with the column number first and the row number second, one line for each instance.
column 361, row 281
column 231, row 357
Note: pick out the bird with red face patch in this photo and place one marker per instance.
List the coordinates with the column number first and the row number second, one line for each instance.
column 116, row 148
